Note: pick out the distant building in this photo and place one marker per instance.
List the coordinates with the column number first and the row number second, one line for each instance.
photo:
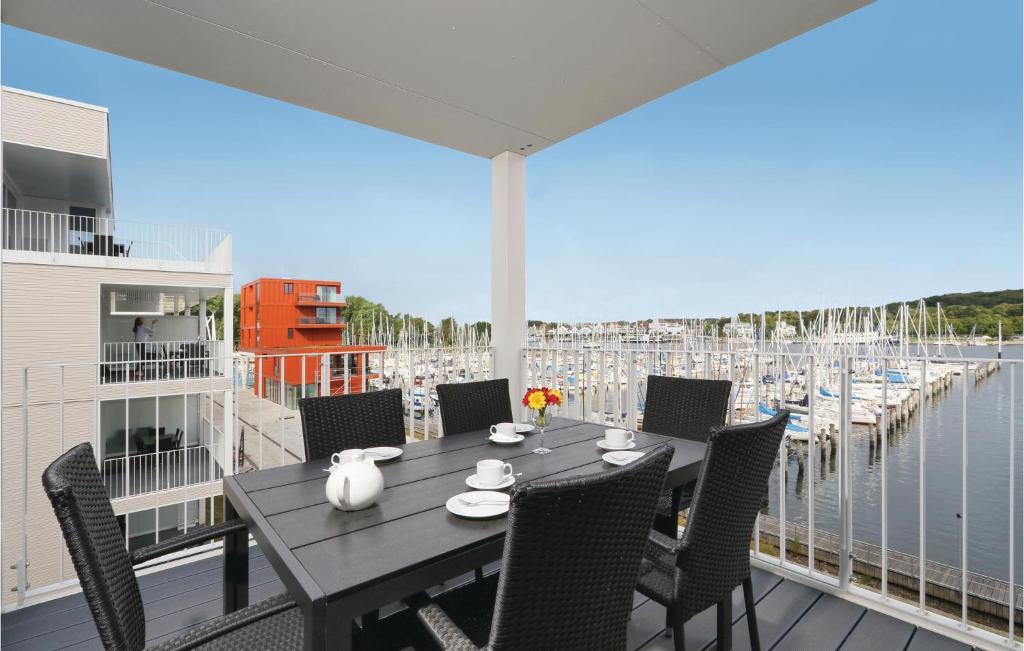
column 75, row 282
column 288, row 325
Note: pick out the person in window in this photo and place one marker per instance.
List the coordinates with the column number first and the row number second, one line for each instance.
column 142, row 334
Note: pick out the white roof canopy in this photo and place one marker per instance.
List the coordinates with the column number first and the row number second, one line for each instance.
column 480, row 76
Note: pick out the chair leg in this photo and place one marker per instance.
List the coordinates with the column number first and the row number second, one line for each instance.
column 678, row 634
column 478, row 573
column 725, row 624
column 670, row 621
column 748, row 598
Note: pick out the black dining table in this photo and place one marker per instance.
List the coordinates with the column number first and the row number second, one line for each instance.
column 339, row 565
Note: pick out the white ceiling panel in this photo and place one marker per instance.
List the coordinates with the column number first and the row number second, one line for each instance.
column 480, row 76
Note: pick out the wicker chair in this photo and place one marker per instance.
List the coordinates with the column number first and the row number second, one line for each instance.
column 686, row 409
column 365, row 420
column 573, row 548
column 713, row 555
column 105, row 569
column 474, row 406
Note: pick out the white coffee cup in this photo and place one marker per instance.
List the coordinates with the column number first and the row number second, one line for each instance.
column 491, row 472
column 504, row 430
column 618, row 438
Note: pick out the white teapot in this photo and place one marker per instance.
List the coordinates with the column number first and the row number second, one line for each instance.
column 355, row 482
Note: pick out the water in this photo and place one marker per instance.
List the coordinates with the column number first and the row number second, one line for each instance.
column 988, row 476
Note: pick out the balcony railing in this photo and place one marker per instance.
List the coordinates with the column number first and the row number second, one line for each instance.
column 138, row 474
column 899, row 483
column 320, row 298
column 125, row 361
column 886, row 457
column 105, row 237
column 319, row 320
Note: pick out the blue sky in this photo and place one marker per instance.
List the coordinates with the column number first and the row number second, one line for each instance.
column 876, row 158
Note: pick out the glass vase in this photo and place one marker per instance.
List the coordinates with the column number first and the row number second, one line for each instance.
column 541, row 419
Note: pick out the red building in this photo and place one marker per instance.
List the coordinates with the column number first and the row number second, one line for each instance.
column 298, row 321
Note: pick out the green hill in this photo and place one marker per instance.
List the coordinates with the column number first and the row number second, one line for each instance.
column 978, row 311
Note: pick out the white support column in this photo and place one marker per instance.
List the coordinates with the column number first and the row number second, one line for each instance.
column 508, row 268
column 228, row 320
column 202, row 316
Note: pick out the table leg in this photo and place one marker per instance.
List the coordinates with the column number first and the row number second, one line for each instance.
column 321, row 628
column 236, row 565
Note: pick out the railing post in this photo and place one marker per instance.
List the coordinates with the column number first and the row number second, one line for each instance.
column 812, row 440
column 631, row 392
column 325, row 374
column 228, row 439
column 922, row 501
column 963, row 502
column 885, row 478
column 845, row 520
column 22, row 565
column 780, row 404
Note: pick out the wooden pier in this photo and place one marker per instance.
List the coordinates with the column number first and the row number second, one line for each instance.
column 985, row 594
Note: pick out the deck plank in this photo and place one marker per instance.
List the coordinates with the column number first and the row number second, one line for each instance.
column 876, row 631
column 790, row 616
column 700, row 630
column 79, row 613
column 824, row 626
column 925, row 640
column 777, row 612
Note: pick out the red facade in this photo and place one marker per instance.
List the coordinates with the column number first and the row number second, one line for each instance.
column 289, row 324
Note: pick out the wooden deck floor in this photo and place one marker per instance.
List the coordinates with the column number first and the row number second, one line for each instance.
column 790, row 616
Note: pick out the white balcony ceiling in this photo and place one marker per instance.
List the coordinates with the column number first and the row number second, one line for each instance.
column 480, row 76
column 54, row 174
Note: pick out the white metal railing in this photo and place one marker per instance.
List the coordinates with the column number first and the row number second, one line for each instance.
column 125, row 361
column 321, row 297
column 138, row 474
column 817, row 533
column 266, row 406
column 47, row 232
column 63, row 405
column 58, row 406
column 833, row 519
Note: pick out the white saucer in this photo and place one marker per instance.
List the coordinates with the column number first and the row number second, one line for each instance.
column 473, row 483
column 496, row 504
column 621, row 458
column 522, row 428
column 604, row 446
column 383, row 454
column 506, row 441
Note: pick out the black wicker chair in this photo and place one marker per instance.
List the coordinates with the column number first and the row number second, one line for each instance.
column 105, row 569
column 363, row 420
column 687, row 409
column 713, row 556
column 573, row 548
column 474, row 406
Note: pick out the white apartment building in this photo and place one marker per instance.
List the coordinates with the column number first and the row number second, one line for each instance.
column 75, row 278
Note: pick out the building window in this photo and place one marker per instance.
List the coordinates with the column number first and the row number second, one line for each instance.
column 290, row 333
column 326, row 315
column 288, row 288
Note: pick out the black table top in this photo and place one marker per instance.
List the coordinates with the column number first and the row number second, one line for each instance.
column 323, row 553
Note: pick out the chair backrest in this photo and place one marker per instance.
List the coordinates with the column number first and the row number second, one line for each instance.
column 474, row 406
column 685, row 408
column 361, row 420
column 731, row 488
column 97, row 547
column 572, row 554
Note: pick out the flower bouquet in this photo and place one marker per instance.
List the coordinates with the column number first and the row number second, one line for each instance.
column 541, row 402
